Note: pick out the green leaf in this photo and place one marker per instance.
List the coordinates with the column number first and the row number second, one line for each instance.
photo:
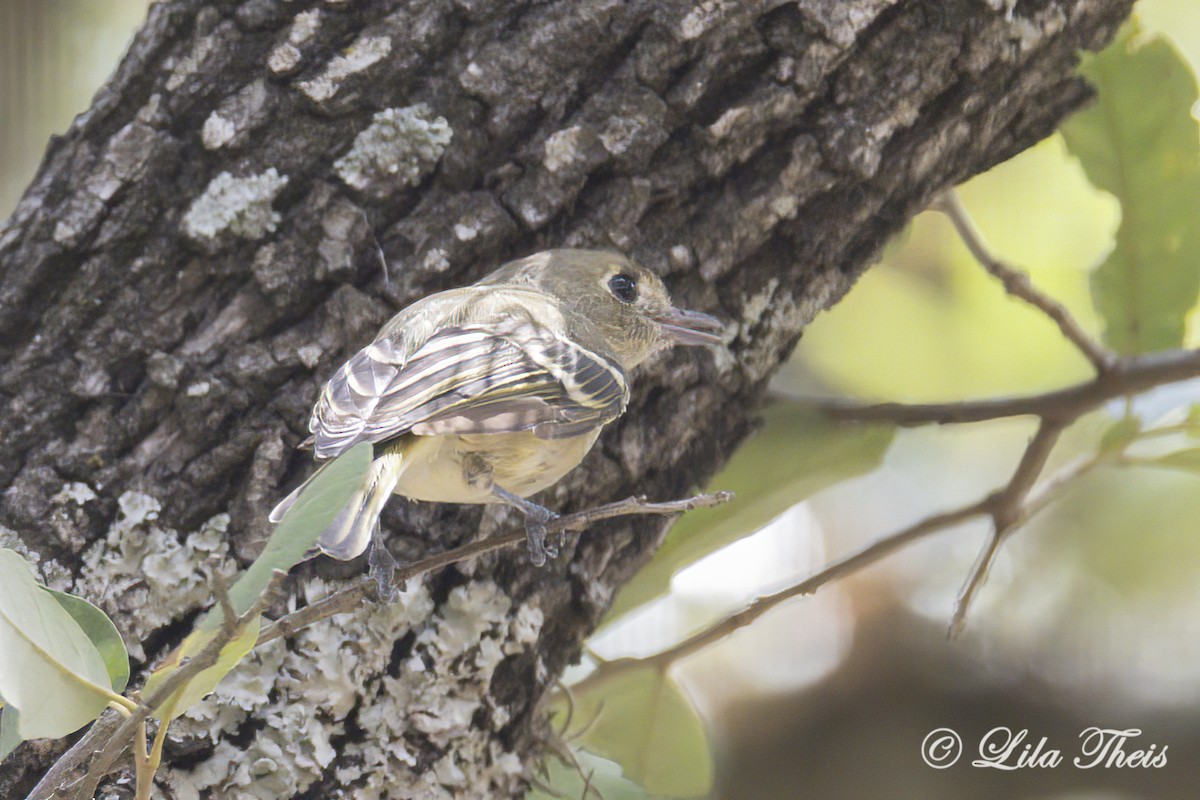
column 599, row 776
column 645, row 723
column 49, row 668
column 1186, row 460
column 797, row 453
column 298, row 531
column 330, row 488
column 10, row 737
column 1139, row 142
column 103, row 633
column 1120, row 434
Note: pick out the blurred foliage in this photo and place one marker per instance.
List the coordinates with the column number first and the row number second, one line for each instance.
column 796, row 453
column 1104, row 220
column 53, row 57
column 1187, row 460
column 1140, row 146
column 929, row 325
column 1132, row 528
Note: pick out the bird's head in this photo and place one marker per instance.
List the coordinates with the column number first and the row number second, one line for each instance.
column 624, row 303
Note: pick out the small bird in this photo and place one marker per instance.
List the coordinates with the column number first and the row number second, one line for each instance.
column 492, row 392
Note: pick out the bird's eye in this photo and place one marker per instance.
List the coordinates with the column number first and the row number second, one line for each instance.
column 624, row 287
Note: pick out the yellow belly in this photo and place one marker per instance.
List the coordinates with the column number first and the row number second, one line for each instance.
column 462, row 468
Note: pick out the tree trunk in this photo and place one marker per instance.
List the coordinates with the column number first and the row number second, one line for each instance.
column 196, row 255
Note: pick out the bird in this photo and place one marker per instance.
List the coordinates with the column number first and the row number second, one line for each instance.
column 492, row 392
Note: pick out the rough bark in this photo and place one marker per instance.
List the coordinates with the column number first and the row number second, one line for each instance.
column 163, row 329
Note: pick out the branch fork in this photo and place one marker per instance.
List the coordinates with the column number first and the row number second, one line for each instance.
column 1009, row 507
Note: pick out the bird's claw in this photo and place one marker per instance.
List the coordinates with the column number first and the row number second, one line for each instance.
column 536, row 519
column 381, row 566
column 535, row 533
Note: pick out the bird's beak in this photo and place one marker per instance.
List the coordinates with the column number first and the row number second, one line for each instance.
column 691, row 327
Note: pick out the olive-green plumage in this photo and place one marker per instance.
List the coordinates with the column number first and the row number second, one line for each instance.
column 493, row 392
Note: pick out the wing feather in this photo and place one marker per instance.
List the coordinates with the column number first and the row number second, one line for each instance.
column 516, row 376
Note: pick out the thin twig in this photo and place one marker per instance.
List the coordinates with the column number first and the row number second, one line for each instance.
column 1180, row 429
column 1009, row 508
column 154, row 761
column 1006, row 512
column 570, row 713
column 974, row 581
column 1115, row 377
column 1017, row 283
column 141, row 758
column 350, row 597
column 220, row 587
column 1033, row 462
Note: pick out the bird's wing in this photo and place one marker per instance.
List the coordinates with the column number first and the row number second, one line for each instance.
column 470, row 378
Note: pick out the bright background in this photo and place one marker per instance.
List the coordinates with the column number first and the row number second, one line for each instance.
column 1092, row 612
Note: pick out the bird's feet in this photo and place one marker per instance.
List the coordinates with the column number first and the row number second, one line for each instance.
column 536, row 518
column 535, row 534
column 381, row 567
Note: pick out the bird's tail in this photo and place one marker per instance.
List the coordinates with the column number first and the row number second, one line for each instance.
column 350, row 532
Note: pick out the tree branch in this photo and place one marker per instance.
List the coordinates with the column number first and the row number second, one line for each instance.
column 747, row 614
column 1018, row 284
column 1127, row 376
column 347, row 599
